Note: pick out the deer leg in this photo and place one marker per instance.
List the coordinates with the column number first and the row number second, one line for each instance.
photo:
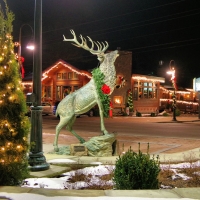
column 69, row 128
column 61, row 124
column 103, row 129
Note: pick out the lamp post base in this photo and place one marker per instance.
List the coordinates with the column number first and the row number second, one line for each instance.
column 37, row 162
column 174, row 116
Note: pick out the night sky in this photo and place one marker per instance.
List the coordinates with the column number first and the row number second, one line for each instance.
column 154, row 30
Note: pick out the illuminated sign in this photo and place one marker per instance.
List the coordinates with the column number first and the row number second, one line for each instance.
column 196, row 84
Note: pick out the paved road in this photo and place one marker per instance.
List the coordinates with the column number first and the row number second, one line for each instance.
column 145, row 126
column 163, row 135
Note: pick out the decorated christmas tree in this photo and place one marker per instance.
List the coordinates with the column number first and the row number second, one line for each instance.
column 130, row 101
column 14, row 125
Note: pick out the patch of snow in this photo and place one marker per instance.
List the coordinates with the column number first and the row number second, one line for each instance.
column 61, row 161
column 93, row 175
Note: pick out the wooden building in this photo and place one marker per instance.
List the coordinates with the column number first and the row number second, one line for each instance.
column 150, row 95
column 146, row 93
column 59, row 80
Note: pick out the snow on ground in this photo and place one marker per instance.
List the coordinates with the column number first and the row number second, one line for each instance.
column 62, row 183
column 93, row 173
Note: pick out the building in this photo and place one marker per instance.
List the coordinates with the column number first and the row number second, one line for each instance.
column 150, row 95
column 59, row 80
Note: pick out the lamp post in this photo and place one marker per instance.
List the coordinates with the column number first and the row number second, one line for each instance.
column 173, row 79
column 20, row 46
column 37, row 160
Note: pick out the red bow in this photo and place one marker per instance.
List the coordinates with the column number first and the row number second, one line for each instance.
column 105, row 89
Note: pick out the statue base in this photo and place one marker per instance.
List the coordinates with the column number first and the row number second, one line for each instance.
column 100, row 146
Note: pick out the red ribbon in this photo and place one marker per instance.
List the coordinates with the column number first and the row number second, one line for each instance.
column 105, row 89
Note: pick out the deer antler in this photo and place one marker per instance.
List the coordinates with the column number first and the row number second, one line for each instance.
column 101, row 47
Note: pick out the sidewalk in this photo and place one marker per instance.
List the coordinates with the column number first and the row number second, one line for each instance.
column 19, row 193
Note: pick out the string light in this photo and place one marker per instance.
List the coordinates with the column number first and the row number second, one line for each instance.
column 148, row 78
column 45, row 74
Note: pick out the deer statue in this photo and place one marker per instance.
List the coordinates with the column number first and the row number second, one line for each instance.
column 87, row 96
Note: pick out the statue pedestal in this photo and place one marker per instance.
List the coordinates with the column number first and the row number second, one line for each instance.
column 100, row 146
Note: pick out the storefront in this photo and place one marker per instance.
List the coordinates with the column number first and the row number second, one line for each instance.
column 146, row 93
column 59, row 80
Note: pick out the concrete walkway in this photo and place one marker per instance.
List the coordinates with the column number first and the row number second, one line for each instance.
column 19, row 193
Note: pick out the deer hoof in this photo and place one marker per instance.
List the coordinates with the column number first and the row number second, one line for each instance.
column 82, row 141
column 105, row 133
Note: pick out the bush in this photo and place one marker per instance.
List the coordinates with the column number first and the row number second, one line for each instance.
column 136, row 171
column 165, row 114
column 138, row 114
column 178, row 112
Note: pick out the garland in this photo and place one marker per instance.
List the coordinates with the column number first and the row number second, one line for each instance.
column 103, row 90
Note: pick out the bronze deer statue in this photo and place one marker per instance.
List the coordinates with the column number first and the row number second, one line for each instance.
column 86, row 97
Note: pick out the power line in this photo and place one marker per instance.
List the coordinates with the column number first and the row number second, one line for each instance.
column 116, row 16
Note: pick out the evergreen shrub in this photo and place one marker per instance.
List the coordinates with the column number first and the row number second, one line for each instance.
column 138, row 114
column 165, row 114
column 178, row 112
column 136, row 171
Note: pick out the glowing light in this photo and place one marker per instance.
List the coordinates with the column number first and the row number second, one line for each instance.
column 117, row 101
column 45, row 74
column 30, row 47
column 148, row 78
column 2, row 148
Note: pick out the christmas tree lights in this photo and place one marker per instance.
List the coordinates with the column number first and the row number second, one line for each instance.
column 14, row 125
column 130, row 101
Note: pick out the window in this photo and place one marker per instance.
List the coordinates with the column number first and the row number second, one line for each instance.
column 144, row 90
column 64, row 76
column 70, row 75
column 75, row 75
column 66, row 90
column 59, row 76
column 48, row 91
column 58, row 92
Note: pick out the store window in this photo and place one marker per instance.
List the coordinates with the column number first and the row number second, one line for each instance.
column 144, row 90
column 59, row 76
column 75, row 76
column 64, row 76
column 58, row 92
column 70, row 75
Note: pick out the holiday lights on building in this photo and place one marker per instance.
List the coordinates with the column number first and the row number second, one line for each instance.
column 45, row 74
column 148, row 78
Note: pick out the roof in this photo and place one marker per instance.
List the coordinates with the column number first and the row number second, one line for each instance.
column 55, row 67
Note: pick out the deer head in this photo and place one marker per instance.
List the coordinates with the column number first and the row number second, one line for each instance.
column 101, row 46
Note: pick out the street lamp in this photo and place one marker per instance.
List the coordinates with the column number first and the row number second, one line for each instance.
column 37, row 160
column 31, row 47
column 173, row 79
column 20, row 37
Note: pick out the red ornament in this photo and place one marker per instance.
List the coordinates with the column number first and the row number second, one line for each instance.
column 105, row 89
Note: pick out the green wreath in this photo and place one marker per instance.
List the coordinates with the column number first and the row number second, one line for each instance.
column 103, row 90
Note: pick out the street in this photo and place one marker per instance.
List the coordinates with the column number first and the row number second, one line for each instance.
column 160, row 132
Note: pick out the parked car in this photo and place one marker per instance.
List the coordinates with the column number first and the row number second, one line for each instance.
column 47, row 109
column 92, row 112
